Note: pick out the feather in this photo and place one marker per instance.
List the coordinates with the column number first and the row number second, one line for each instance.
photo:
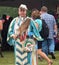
column 24, row 26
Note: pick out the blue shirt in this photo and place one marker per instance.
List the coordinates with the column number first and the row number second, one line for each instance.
column 50, row 20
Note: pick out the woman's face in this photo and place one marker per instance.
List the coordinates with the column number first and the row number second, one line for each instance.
column 22, row 12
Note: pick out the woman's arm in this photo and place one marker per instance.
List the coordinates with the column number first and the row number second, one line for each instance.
column 35, row 30
column 11, row 35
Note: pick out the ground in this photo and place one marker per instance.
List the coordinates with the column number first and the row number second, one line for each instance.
column 8, row 59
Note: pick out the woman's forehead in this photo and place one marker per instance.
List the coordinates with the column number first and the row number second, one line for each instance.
column 22, row 9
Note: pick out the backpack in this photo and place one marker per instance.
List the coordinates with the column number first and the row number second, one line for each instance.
column 45, row 30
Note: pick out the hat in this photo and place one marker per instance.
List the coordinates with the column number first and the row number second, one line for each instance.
column 23, row 6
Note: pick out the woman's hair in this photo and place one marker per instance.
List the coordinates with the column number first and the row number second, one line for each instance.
column 35, row 14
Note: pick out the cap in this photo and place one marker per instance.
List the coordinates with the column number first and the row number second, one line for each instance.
column 23, row 6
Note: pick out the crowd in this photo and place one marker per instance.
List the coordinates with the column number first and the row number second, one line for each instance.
column 24, row 33
column 4, row 24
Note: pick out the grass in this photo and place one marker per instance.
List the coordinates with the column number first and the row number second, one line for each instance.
column 8, row 59
column 55, row 61
column 11, row 11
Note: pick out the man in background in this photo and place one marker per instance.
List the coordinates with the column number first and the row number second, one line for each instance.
column 48, row 45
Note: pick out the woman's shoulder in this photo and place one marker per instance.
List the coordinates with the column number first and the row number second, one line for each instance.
column 16, row 18
column 38, row 20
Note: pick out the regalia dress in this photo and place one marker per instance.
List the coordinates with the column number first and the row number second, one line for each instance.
column 22, row 57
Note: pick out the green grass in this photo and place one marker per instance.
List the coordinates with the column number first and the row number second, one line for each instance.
column 55, row 61
column 8, row 59
column 12, row 11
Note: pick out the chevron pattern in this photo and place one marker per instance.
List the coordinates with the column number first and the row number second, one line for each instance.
column 21, row 56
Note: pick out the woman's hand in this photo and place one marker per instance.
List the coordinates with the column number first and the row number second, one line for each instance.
column 14, row 37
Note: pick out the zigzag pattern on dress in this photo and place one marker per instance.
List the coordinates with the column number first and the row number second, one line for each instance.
column 21, row 56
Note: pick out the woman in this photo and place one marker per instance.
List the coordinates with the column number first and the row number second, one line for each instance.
column 38, row 23
column 17, row 36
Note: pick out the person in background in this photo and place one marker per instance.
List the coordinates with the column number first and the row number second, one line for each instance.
column 7, row 19
column 38, row 22
column 48, row 45
column 1, row 28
